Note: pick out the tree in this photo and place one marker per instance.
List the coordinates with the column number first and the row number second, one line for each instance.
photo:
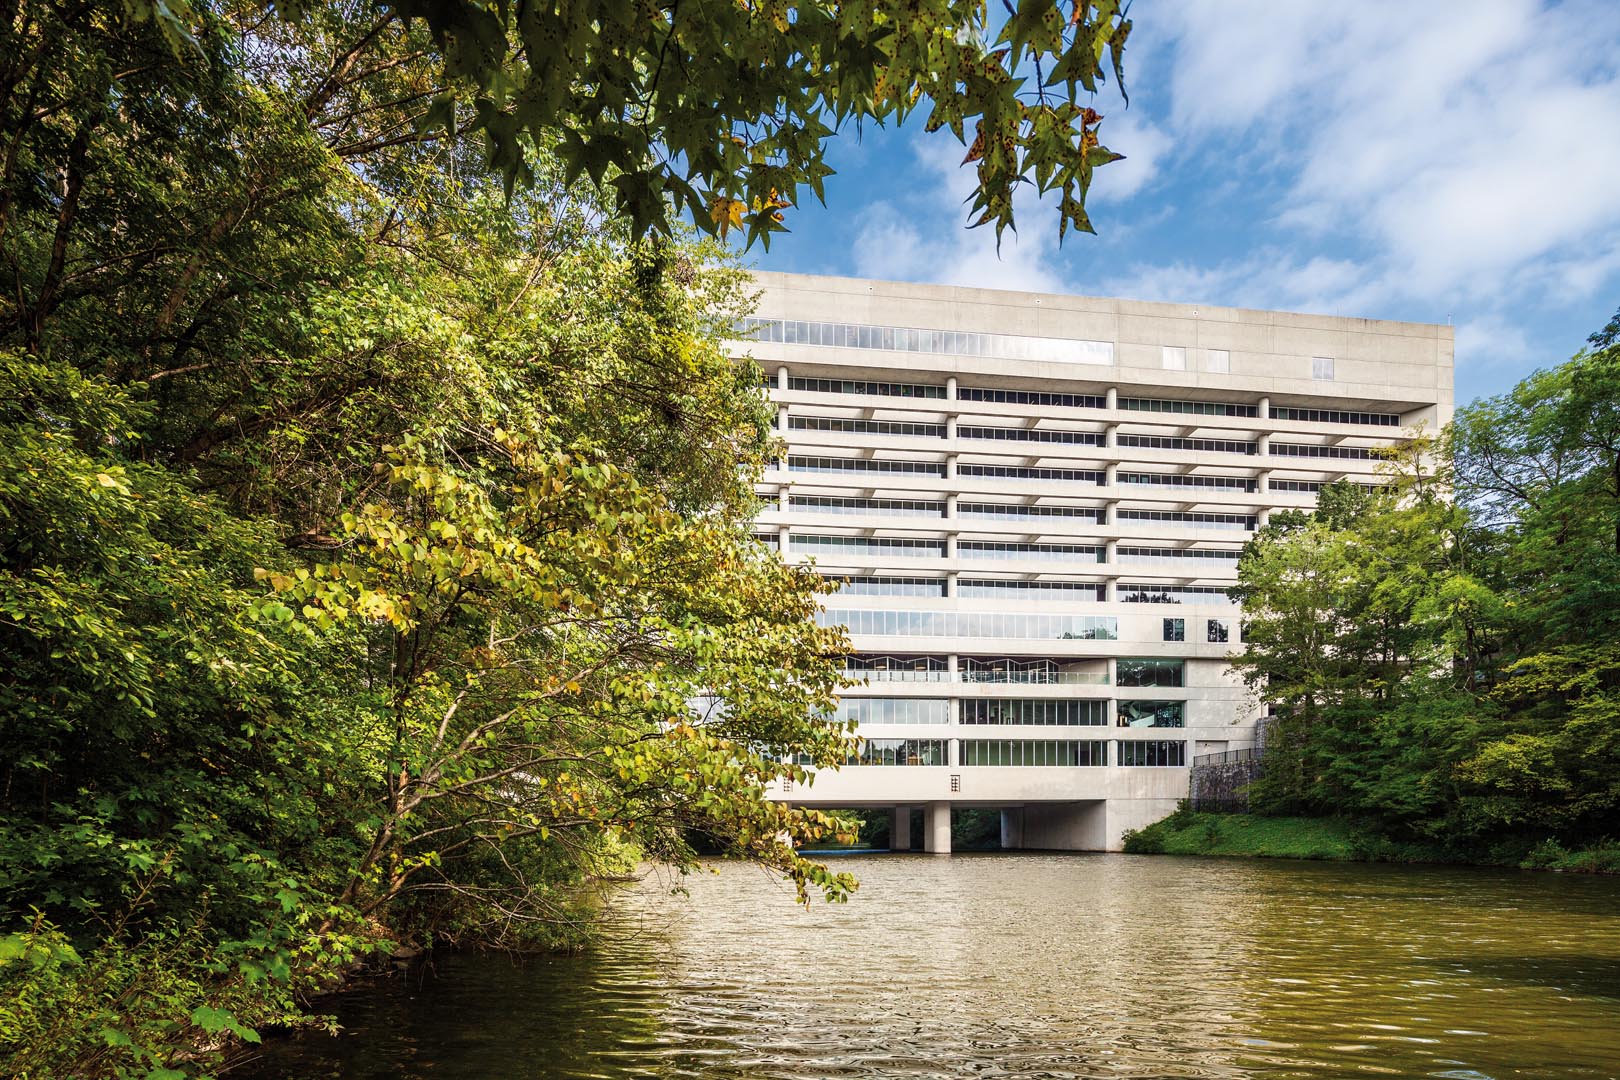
column 725, row 111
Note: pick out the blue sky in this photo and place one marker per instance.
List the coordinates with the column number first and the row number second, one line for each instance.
column 1386, row 159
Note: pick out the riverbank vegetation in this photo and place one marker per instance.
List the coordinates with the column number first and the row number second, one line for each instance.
column 1442, row 654
column 1272, row 836
column 375, row 489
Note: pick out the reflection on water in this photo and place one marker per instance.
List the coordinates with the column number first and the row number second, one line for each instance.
column 1030, row 966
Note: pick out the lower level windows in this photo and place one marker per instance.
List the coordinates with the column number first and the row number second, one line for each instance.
column 1172, row 714
column 1034, row 752
column 893, row 710
column 1051, row 712
column 973, row 624
column 1175, row 629
column 1157, row 753
column 1151, row 672
column 901, row 752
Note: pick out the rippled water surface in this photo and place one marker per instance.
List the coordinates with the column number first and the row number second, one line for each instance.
column 1031, row 966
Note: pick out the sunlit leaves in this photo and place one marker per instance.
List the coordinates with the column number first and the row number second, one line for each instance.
column 677, row 109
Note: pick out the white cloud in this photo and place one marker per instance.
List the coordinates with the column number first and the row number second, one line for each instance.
column 924, row 237
column 1459, row 143
column 1144, row 146
column 1493, row 342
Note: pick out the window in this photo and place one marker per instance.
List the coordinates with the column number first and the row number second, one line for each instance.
column 905, row 339
column 899, row 669
column 1006, row 434
column 1031, row 397
column 1133, row 593
column 1052, row 712
column 866, row 427
column 1171, row 442
column 1191, row 520
column 1175, row 358
column 1322, row 368
column 1219, row 632
column 997, row 549
column 838, row 504
column 1014, row 472
column 891, row 586
column 1044, row 670
column 875, row 389
column 1034, row 752
column 1168, row 554
column 1175, row 629
column 894, row 710
column 1163, row 754
column 1335, row 416
column 1350, row 453
column 865, row 465
column 996, row 624
column 1200, row 408
column 1163, row 714
column 1218, row 360
column 900, row 547
column 901, row 752
column 1150, row 672
column 1014, row 511
column 993, row 588
column 1186, row 480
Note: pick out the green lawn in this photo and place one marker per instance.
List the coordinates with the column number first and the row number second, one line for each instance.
column 1191, row 833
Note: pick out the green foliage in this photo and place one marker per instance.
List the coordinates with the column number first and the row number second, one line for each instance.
column 724, row 111
column 368, row 530
column 1447, row 669
column 161, row 1006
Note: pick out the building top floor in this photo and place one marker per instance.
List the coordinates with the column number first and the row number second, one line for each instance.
column 880, row 328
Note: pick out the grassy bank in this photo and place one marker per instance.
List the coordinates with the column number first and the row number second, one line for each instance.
column 1189, row 832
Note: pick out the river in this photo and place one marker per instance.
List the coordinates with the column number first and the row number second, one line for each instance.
column 1026, row 965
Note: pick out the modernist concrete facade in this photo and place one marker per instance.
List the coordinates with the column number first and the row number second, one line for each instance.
column 1038, row 502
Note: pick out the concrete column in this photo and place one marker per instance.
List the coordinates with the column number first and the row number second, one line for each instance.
column 1109, row 435
column 1262, row 517
column 1111, row 552
column 1113, row 397
column 782, row 417
column 1110, row 474
column 950, row 467
column 1263, row 482
column 1263, row 444
column 937, row 828
column 1012, row 829
column 950, row 505
column 782, row 500
column 950, row 429
column 1265, row 407
column 782, row 377
column 950, row 388
column 950, row 546
column 900, row 829
column 950, row 579
column 1108, row 509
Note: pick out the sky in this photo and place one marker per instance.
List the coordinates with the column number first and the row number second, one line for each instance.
column 1435, row 162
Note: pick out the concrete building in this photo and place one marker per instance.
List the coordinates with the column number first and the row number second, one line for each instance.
column 1038, row 502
